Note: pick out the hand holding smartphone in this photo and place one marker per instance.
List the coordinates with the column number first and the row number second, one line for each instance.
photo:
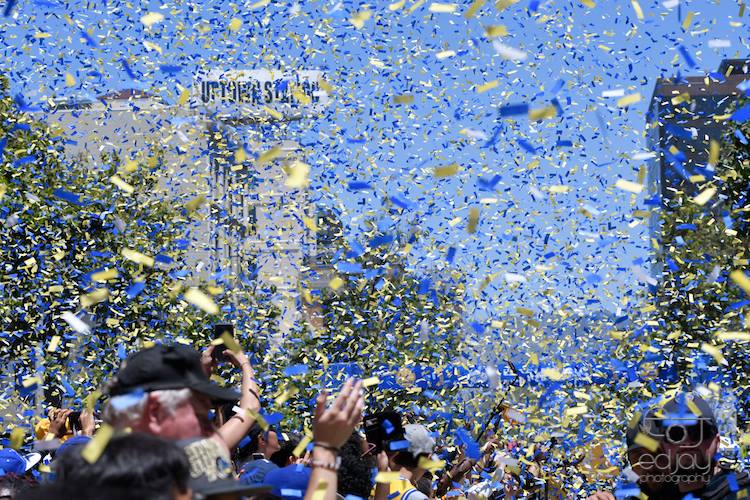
column 218, row 331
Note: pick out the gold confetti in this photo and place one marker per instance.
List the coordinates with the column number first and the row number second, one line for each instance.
column 370, row 381
column 403, row 99
column 121, row 184
column 704, row 196
column 430, row 465
column 152, row 18
column 714, row 352
column 195, row 203
column 501, row 5
column 70, row 80
column 647, row 442
column 473, row 220
column 629, row 186
column 302, row 444
column 359, row 19
column 275, row 114
column 713, row 157
column 487, row 86
column 446, row 171
column 688, row 19
column 95, row 297
column 474, row 8
column 102, row 276
column 553, row 374
column 739, row 336
column 542, row 113
column 269, row 155
column 443, row 8
column 201, row 300
column 96, row 446
column 298, row 175
column 336, row 283
column 235, row 24
column 627, row 100
column 741, row 279
column 130, row 166
column 397, row 5
column 637, row 9
column 137, row 257
column 320, row 490
column 387, row 477
column 495, row 31
column 309, row 223
column 445, row 53
column 588, row 3
column 53, row 343
column 16, row 437
column 230, row 342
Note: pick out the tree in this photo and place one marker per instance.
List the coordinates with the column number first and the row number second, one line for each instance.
column 91, row 262
column 379, row 318
column 702, row 243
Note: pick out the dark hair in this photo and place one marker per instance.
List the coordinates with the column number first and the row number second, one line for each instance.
column 355, row 473
column 406, row 459
column 245, row 453
column 424, row 484
column 143, row 462
column 84, row 491
column 281, row 457
column 17, row 483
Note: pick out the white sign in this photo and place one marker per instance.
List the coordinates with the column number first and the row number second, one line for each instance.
column 261, row 92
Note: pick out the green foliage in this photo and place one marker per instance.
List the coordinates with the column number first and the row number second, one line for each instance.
column 61, row 223
column 700, row 246
column 384, row 320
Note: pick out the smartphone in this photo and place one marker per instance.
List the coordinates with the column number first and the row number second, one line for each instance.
column 383, row 428
column 219, row 330
column 74, row 421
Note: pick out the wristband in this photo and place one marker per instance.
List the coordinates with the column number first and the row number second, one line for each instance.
column 327, row 465
column 326, row 446
column 254, row 394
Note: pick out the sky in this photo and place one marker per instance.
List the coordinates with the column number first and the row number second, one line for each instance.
column 553, row 230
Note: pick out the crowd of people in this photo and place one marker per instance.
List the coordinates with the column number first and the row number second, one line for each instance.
column 168, row 431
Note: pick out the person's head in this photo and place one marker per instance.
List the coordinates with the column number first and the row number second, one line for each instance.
column 424, row 484
column 355, row 477
column 163, row 391
column 673, row 442
column 285, row 455
column 260, row 441
column 690, row 437
column 418, row 444
column 142, row 463
column 12, row 484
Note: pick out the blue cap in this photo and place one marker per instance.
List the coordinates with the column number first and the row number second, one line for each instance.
column 11, row 462
column 255, row 471
column 75, row 440
column 290, row 482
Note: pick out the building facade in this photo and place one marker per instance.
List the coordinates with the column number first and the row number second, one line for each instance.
column 228, row 154
column 685, row 115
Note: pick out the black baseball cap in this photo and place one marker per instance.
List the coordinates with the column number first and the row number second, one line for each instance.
column 683, row 415
column 203, row 487
column 161, row 367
